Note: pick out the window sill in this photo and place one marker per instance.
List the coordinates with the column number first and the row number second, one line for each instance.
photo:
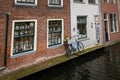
column 23, row 54
column 20, row 4
column 56, row 46
column 79, row 2
column 92, row 4
column 106, row 2
column 84, row 39
column 114, row 32
column 55, row 6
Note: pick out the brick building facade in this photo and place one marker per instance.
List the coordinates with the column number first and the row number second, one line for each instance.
column 36, row 30
column 119, row 10
column 109, row 10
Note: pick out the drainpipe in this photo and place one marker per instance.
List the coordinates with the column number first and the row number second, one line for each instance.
column 6, row 38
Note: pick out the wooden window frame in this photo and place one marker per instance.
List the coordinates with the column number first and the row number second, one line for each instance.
column 22, row 29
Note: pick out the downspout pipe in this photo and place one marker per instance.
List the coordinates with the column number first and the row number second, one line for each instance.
column 6, row 39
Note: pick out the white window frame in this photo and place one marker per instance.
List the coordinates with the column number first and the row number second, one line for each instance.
column 86, row 27
column 55, row 5
column 26, row 4
column 48, row 32
column 35, row 38
column 113, row 25
column 107, row 19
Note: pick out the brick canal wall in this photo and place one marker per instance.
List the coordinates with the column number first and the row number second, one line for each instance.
column 41, row 13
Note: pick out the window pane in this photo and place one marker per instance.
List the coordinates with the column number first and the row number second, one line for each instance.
column 55, row 32
column 26, row 1
column 105, row 16
column 105, row 1
column 113, row 22
column 91, row 1
column 81, row 27
column 23, row 36
column 54, row 2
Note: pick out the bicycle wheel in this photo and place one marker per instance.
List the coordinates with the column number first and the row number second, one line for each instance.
column 80, row 47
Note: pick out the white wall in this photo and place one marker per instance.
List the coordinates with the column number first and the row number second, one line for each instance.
column 89, row 10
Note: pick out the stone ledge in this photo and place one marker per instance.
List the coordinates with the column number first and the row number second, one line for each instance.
column 49, row 63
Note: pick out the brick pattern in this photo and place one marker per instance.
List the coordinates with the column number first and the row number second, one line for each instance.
column 110, row 8
column 2, row 39
column 41, row 12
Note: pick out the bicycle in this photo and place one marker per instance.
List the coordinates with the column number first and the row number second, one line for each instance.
column 74, row 45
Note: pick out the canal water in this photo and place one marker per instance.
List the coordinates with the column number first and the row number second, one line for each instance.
column 102, row 64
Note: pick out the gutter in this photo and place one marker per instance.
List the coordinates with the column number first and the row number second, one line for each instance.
column 6, row 41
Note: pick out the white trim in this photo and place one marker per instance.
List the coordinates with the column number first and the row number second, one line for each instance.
column 113, row 26
column 35, row 37
column 107, row 25
column 26, row 4
column 62, row 31
column 56, row 5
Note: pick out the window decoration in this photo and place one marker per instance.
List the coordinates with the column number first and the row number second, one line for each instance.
column 24, row 33
column 55, row 32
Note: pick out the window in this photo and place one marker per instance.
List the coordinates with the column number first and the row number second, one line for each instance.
column 112, row 1
column 105, row 16
column 26, row 2
column 55, row 3
column 24, row 36
column 113, row 22
column 81, row 1
column 106, row 22
column 91, row 1
column 82, row 27
column 54, row 32
column 105, row 1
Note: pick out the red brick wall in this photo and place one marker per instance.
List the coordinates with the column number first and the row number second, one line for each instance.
column 109, row 8
column 2, row 39
column 41, row 12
